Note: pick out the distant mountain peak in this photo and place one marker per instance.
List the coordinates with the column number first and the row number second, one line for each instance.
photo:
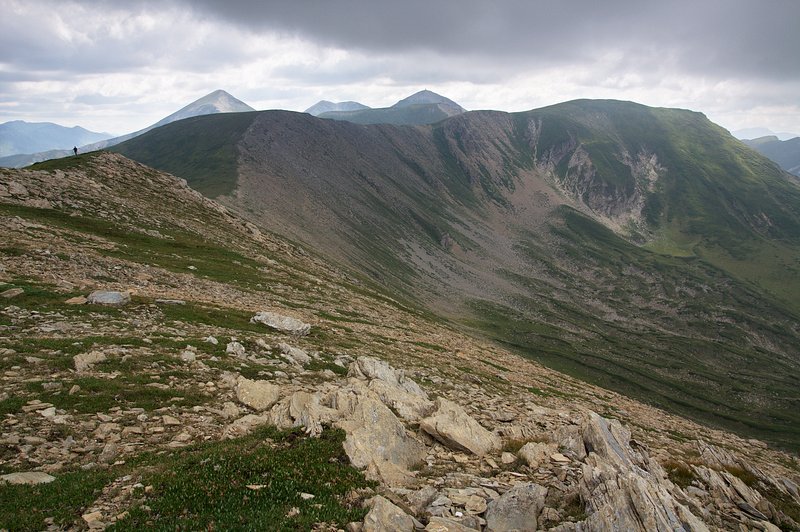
column 325, row 106
column 429, row 97
column 218, row 101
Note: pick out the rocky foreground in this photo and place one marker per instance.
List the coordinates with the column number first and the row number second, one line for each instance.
column 138, row 318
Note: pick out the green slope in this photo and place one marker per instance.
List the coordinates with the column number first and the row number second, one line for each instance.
column 509, row 224
column 202, row 150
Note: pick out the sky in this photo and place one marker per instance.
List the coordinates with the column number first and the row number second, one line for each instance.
column 118, row 66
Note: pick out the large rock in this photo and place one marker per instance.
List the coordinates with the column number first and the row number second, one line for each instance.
column 377, row 440
column 109, row 298
column 517, row 509
column 295, row 355
column 303, row 409
column 245, row 425
column 371, row 368
column 29, row 477
column 410, row 407
column 386, row 517
column 85, row 361
column 258, row 395
column 282, row 323
column 623, row 488
column 452, row 426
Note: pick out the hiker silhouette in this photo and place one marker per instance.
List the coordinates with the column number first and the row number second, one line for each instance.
column 75, row 149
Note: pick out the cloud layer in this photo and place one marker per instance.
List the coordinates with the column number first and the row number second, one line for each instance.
column 120, row 65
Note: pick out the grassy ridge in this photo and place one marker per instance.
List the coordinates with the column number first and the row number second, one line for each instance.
column 202, row 150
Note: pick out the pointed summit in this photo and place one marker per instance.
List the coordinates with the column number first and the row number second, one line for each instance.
column 426, row 97
column 218, row 101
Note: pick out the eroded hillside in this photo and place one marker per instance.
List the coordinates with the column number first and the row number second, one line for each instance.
column 167, row 409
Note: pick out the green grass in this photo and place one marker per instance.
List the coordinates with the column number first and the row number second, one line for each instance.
column 205, row 152
column 205, row 487
column 65, row 500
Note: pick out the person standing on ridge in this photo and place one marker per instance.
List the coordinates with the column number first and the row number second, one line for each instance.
column 75, row 150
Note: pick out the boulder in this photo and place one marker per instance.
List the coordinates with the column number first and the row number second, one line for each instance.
column 452, row 426
column 29, row 477
column 17, row 189
column 236, row 349
column 536, row 454
column 282, row 323
column 258, row 395
column 623, row 488
column 85, row 361
column 302, row 409
column 295, row 355
column 377, row 440
column 244, row 425
column 384, row 516
column 517, row 509
column 371, row 368
column 108, row 298
column 409, row 406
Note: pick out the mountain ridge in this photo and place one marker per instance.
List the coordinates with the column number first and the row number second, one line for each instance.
column 495, row 220
column 421, row 108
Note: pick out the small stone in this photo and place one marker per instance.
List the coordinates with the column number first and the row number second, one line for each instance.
column 85, row 361
column 306, row 496
column 170, row 421
column 507, row 458
column 188, row 356
column 92, row 517
column 74, row 389
column 558, row 457
column 12, row 292
column 78, row 300
column 170, row 302
column 211, row 340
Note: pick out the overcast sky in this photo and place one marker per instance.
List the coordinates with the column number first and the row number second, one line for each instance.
column 118, row 66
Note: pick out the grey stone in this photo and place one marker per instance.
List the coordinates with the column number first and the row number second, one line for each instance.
column 282, row 323
column 452, row 426
column 536, row 454
column 109, row 298
column 295, row 355
column 516, row 509
column 85, row 361
column 12, row 292
column 386, row 517
column 236, row 349
column 29, row 477
column 258, row 395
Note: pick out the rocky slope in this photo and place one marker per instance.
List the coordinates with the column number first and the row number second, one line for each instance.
column 641, row 249
column 144, row 325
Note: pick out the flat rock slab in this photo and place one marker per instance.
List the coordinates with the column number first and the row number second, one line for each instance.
column 452, row 426
column 170, row 302
column 85, row 361
column 12, row 292
column 282, row 323
column 30, row 477
column 110, row 298
column 258, row 395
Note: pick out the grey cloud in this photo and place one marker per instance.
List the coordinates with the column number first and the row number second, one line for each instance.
column 722, row 37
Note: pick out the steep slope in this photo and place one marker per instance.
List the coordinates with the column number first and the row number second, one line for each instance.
column 324, row 106
column 215, row 102
column 19, row 137
column 174, row 409
column 784, row 152
column 424, row 107
column 643, row 249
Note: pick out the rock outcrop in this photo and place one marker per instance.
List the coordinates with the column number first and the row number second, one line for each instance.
column 451, row 425
column 280, row 323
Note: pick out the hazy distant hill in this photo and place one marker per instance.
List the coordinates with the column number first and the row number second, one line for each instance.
column 424, row 107
column 784, row 152
column 218, row 101
column 640, row 248
column 758, row 132
column 19, row 137
column 324, row 106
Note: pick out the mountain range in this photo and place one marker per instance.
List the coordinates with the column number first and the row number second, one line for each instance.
column 784, row 152
column 28, row 137
column 421, row 108
column 218, row 101
column 642, row 249
column 324, row 106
